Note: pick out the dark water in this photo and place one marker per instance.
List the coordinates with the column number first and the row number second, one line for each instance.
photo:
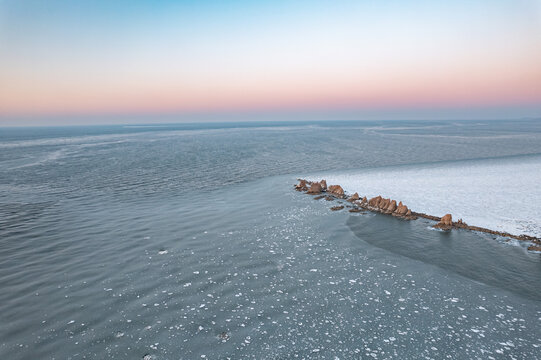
column 121, row 242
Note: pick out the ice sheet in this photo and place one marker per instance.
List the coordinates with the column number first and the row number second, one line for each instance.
column 501, row 194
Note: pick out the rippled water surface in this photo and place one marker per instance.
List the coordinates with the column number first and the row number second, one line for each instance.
column 188, row 242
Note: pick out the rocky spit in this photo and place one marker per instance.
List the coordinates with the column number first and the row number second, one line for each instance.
column 391, row 207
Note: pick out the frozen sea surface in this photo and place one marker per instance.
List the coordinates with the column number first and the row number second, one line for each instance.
column 500, row 194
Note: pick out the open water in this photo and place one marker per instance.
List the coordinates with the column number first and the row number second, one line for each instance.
column 189, row 242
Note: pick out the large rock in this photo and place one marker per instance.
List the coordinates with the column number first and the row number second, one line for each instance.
column 315, row 188
column 391, row 207
column 336, row 190
column 401, row 209
column 383, row 204
column 447, row 220
column 445, row 223
column 354, row 197
column 374, row 201
column 323, row 185
column 364, row 201
column 302, row 185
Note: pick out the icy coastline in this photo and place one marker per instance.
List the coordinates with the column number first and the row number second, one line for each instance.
column 501, row 194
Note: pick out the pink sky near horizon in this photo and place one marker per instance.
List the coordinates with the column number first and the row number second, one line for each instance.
column 420, row 60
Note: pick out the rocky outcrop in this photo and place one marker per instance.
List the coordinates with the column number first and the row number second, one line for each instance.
column 353, row 197
column 302, row 185
column 315, row 188
column 336, row 208
column 446, row 222
column 383, row 203
column 401, row 209
column 336, row 190
column 311, row 187
column 389, row 206
column 374, row 201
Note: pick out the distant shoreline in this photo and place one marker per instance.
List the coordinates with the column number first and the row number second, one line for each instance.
column 390, row 207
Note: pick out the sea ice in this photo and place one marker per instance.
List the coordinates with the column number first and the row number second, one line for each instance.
column 499, row 194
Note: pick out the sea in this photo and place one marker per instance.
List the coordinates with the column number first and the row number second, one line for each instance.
column 188, row 241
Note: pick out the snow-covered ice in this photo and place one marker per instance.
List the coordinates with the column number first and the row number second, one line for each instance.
column 500, row 194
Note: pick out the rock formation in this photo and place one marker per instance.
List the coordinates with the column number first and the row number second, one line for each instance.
column 302, row 185
column 315, row 188
column 374, row 201
column 353, row 197
column 388, row 206
column 446, row 222
column 391, row 207
column 336, row 190
column 401, row 209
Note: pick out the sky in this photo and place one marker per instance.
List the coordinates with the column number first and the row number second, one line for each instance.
column 95, row 61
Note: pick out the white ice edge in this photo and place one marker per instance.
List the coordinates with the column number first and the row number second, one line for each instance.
column 500, row 194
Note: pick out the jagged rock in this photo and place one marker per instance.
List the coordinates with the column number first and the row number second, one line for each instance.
column 384, row 203
column 323, row 185
column 447, row 219
column 401, row 209
column 408, row 213
column 336, row 190
column 534, row 248
column 374, row 201
column 392, row 207
column 315, row 188
column 302, row 185
column 353, row 197
column 335, row 208
column 446, row 222
column 364, row 201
